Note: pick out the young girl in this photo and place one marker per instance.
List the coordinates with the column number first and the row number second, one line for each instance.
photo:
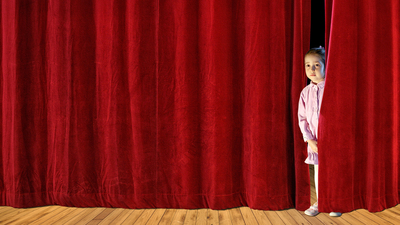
column 309, row 106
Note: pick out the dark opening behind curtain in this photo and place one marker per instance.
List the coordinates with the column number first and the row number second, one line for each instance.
column 359, row 123
column 153, row 103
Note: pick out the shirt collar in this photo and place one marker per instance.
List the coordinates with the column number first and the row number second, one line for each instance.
column 319, row 85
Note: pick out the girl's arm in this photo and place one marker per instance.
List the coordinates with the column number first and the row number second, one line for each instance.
column 303, row 124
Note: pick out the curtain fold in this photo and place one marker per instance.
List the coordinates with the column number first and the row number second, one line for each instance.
column 150, row 104
column 359, row 135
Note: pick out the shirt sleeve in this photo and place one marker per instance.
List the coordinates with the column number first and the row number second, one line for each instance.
column 304, row 126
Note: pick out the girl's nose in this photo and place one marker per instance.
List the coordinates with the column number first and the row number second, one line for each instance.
column 313, row 68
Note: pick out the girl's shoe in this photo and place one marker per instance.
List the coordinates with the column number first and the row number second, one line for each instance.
column 312, row 211
column 335, row 214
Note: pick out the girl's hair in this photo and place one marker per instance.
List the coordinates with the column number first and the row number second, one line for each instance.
column 320, row 52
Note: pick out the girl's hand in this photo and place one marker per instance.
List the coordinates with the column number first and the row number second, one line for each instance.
column 313, row 144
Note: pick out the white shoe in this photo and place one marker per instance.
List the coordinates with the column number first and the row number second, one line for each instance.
column 335, row 214
column 312, row 211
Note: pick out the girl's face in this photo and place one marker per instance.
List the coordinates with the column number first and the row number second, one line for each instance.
column 315, row 69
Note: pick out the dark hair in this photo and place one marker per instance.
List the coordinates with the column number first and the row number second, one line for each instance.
column 320, row 52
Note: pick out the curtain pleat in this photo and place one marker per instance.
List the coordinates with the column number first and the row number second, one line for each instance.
column 150, row 104
column 359, row 156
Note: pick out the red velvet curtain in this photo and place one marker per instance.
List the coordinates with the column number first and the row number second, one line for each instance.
column 172, row 103
column 359, row 123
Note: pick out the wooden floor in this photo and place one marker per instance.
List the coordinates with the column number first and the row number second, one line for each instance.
column 243, row 215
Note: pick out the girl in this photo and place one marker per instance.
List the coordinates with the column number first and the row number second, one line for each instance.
column 309, row 106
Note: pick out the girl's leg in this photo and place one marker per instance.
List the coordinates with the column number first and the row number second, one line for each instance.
column 313, row 210
column 316, row 179
column 334, row 214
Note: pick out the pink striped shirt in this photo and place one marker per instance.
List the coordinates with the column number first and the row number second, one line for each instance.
column 309, row 107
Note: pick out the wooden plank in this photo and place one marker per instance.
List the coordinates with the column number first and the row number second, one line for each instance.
column 101, row 216
column 191, row 217
column 10, row 215
column 326, row 219
column 94, row 222
column 248, row 215
column 143, row 218
column 261, row 217
column 104, row 214
column 28, row 215
column 68, row 215
column 85, row 217
column 121, row 217
column 236, row 216
column 179, row 217
column 201, row 217
column 134, row 216
column 395, row 210
column 167, row 218
column 273, row 217
column 362, row 219
column 212, row 217
column 224, row 217
column 109, row 219
column 285, row 217
column 51, row 217
column 389, row 215
column 313, row 219
column 156, row 216
column 350, row 219
column 5, row 210
column 371, row 216
column 297, row 216
column 313, row 199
